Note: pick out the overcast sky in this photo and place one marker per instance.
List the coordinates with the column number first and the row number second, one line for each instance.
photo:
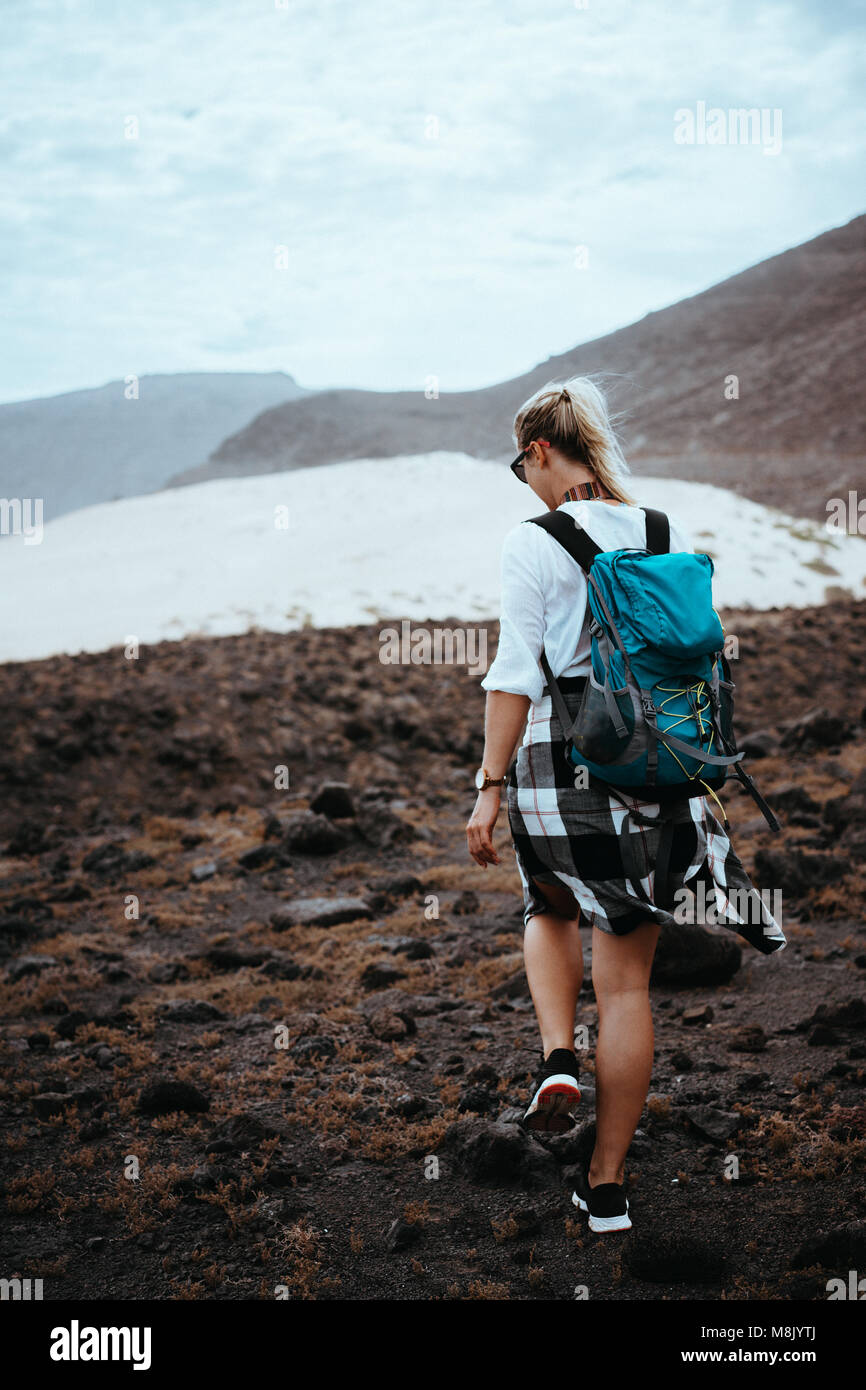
column 429, row 168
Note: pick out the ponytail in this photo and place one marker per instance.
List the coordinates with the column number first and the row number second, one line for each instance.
column 573, row 416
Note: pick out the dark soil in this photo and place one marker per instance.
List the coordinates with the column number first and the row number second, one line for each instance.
column 330, row 1111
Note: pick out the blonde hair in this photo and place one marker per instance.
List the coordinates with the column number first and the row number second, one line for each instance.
column 573, row 416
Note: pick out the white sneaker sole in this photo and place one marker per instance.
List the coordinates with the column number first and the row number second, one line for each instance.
column 604, row 1223
column 552, row 1103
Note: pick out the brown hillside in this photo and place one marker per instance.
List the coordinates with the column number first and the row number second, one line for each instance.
column 790, row 328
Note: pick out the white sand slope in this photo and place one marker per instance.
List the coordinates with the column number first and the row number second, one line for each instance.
column 416, row 537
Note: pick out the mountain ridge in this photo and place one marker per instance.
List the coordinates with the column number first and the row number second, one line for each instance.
column 790, row 328
column 95, row 445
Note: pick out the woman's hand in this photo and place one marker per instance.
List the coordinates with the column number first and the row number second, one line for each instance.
column 504, row 717
column 479, row 829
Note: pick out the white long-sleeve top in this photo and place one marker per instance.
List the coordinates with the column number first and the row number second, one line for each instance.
column 544, row 595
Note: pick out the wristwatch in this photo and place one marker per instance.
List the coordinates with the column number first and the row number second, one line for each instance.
column 483, row 780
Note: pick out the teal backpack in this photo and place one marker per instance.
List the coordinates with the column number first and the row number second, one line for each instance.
column 655, row 721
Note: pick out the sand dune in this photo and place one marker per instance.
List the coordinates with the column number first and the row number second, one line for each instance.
column 417, row 537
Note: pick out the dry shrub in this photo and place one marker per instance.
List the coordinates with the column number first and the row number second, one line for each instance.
column 299, row 1255
column 659, row 1107
column 504, row 1229
column 393, row 1138
column 487, row 1289
column 30, row 1191
column 165, row 829
column 417, row 1214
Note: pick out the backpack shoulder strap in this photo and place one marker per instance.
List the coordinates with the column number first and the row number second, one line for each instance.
column 658, row 531
column 583, row 549
column 580, row 546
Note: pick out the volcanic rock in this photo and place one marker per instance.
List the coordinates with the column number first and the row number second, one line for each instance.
column 487, row 1151
column 311, row 834
column 334, row 800
column 387, row 1025
column 189, row 1011
column 840, row 1249
column 716, row 1125
column 165, row 1096
column 687, row 955
column 320, row 912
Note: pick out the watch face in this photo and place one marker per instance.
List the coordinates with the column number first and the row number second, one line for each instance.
column 479, row 779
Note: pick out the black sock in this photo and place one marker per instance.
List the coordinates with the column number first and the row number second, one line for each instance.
column 562, row 1060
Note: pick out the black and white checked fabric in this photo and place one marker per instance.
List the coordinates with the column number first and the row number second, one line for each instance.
column 568, row 834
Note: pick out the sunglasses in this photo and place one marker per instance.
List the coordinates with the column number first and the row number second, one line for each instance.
column 517, row 467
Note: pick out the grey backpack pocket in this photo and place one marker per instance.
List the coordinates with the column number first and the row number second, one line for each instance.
column 594, row 735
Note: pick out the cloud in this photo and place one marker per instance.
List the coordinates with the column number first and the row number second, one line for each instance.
column 430, row 170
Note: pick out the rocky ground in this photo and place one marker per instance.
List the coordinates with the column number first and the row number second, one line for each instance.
column 220, row 1086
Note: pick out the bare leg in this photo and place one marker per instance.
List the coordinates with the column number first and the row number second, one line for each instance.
column 554, row 968
column 623, row 1061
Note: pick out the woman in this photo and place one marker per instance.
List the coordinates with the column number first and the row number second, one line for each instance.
column 565, row 836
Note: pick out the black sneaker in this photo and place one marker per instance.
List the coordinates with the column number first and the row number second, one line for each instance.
column 606, row 1204
column 556, row 1094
